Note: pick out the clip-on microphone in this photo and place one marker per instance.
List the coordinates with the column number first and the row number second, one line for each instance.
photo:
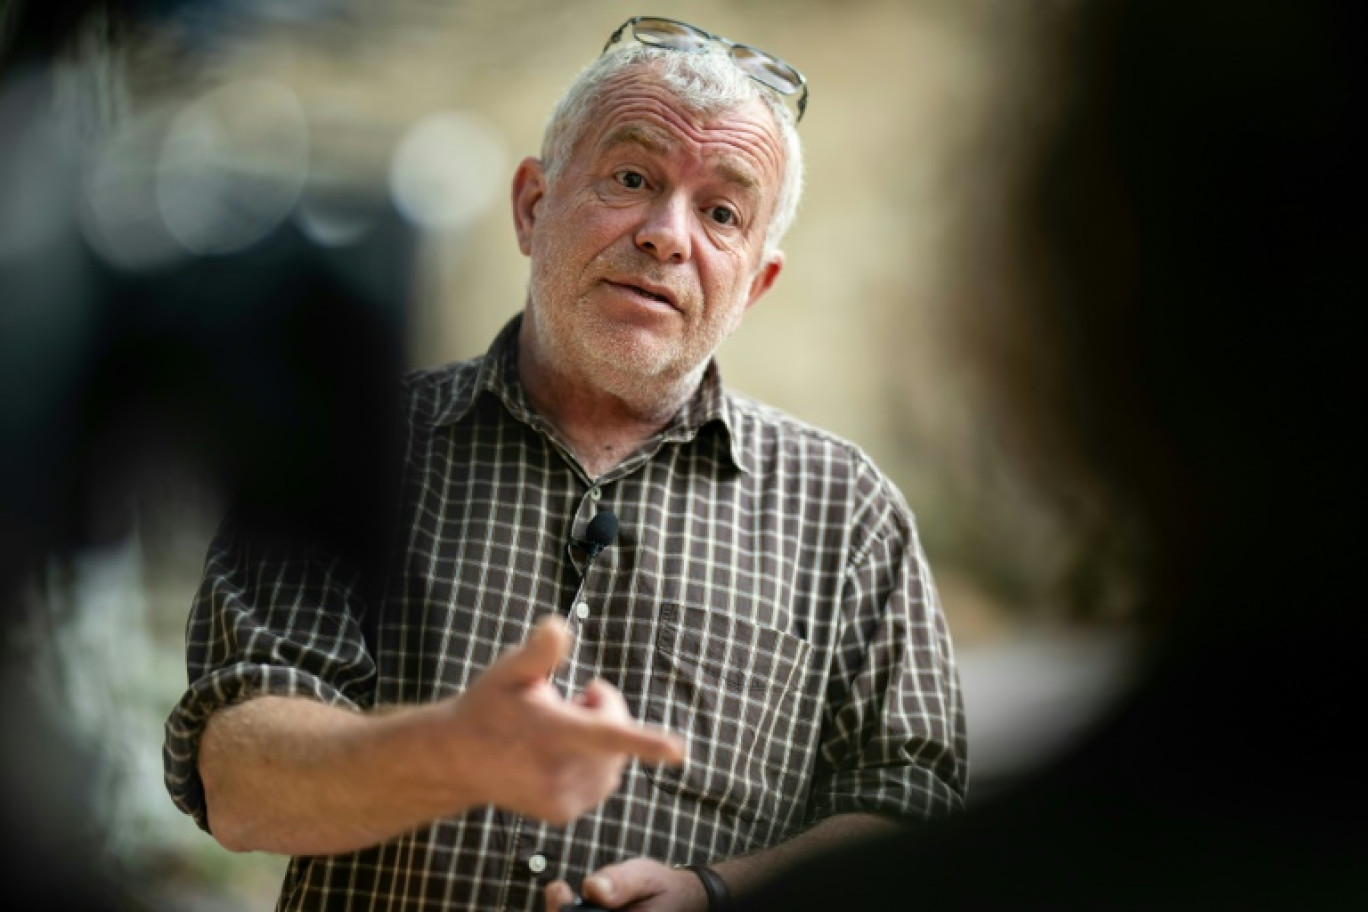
column 602, row 532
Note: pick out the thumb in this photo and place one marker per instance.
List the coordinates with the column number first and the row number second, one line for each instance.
column 545, row 648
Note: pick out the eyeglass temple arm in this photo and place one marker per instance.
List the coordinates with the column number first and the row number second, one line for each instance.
column 612, row 39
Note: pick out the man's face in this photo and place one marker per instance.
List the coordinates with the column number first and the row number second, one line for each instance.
column 649, row 245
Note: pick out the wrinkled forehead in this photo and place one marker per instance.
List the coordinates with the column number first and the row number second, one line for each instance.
column 639, row 107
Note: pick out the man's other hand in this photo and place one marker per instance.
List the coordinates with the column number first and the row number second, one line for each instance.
column 639, row 884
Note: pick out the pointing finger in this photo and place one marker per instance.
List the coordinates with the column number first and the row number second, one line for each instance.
column 652, row 745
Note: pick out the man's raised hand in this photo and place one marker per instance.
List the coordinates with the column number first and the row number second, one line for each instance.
column 518, row 744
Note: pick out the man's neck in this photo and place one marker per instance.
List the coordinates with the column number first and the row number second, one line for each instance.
column 600, row 428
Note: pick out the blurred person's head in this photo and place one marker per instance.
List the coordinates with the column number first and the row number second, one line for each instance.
column 1177, row 363
column 652, row 219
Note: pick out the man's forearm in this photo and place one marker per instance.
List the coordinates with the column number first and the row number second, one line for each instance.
column 742, row 875
column 297, row 777
column 293, row 776
column 657, row 886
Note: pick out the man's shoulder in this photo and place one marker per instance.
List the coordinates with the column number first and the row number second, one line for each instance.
column 430, row 393
column 763, row 430
column 779, row 448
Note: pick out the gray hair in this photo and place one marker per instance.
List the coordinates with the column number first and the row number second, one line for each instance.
column 707, row 83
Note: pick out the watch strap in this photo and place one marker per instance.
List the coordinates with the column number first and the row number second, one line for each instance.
column 719, row 900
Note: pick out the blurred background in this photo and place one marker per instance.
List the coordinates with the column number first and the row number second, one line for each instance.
column 156, row 157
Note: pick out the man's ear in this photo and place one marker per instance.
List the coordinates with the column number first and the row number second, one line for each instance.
column 529, row 186
column 769, row 270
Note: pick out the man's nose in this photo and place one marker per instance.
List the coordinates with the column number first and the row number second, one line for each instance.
column 664, row 232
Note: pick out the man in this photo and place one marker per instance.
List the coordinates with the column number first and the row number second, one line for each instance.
column 766, row 599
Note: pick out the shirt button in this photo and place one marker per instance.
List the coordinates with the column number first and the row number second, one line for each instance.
column 582, row 610
column 537, row 863
column 595, row 493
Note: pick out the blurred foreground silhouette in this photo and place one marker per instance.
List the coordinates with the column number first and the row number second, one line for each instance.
column 155, row 323
column 1178, row 370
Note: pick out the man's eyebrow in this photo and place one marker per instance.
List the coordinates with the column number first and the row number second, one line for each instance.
column 736, row 174
column 637, row 135
column 658, row 143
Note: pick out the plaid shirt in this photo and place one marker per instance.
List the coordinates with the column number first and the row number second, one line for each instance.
column 767, row 598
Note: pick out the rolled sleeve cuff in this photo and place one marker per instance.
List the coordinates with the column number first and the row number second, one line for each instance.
column 226, row 687
column 911, row 792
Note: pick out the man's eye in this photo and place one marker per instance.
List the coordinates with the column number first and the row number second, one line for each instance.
column 722, row 215
column 631, row 180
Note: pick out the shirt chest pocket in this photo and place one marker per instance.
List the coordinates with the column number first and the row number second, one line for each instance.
column 735, row 691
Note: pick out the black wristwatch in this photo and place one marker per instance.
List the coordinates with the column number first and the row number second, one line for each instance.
column 719, row 900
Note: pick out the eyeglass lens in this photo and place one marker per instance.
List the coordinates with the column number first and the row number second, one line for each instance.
column 762, row 66
column 676, row 35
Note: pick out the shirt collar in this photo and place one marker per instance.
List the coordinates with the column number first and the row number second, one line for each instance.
column 709, row 406
column 498, row 377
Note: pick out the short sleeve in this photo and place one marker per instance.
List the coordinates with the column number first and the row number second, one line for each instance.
column 893, row 735
column 267, row 620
